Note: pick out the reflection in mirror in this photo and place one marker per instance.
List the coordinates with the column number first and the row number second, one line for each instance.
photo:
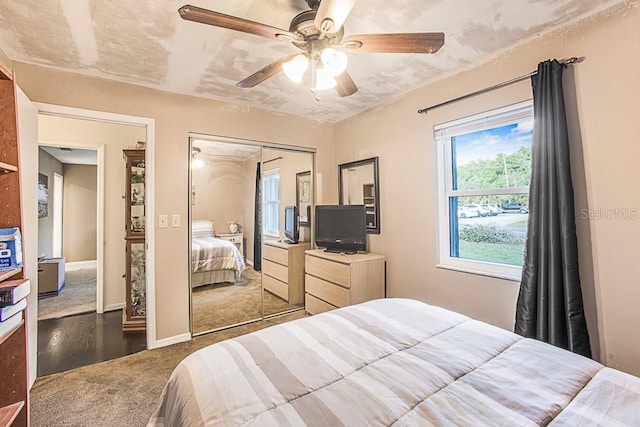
column 237, row 231
column 287, row 186
column 358, row 185
column 226, row 290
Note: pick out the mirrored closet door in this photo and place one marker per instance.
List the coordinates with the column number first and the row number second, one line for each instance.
column 244, row 262
column 286, row 235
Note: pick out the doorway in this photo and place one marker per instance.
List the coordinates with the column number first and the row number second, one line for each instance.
column 96, row 131
column 67, row 231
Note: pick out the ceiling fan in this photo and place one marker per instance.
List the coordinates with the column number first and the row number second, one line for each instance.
column 319, row 34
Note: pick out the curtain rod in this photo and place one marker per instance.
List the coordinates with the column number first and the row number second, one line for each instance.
column 572, row 60
column 272, row 160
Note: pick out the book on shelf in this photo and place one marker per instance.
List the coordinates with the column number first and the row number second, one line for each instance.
column 9, row 310
column 12, row 291
column 10, row 323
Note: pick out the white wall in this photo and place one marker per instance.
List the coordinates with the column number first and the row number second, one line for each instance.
column 28, row 141
column 47, row 165
column 80, row 213
column 221, row 188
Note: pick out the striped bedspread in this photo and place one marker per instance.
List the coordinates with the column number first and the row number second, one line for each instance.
column 209, row 253
column 393, row 362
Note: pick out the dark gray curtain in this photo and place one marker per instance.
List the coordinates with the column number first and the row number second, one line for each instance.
column 550, row 305
column 257, row 223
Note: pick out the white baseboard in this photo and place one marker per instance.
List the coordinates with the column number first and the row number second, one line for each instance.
column 77, row 265
column 169, row 341
column 113, row 307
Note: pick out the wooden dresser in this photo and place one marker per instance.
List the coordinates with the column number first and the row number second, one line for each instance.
column 283, row 270
column 335, row 280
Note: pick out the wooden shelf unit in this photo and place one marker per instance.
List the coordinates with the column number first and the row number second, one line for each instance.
column 9, row 413
column 14, row 387
column 9, row 274
column 134, row 317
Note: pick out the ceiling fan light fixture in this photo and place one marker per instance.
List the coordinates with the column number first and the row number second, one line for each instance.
column 196, row 161
column 352, row 44
column 323, row 79
column 295, row 68
column 335, row 61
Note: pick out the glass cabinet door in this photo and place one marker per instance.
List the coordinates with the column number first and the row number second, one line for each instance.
column 134, row 316
column 135, row 193
column 137, row 299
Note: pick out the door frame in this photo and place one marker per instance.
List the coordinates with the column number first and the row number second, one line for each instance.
column 58, row 212
column 149, row 124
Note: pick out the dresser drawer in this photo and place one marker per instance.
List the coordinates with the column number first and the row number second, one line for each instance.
column 275, row 254
column 277, row 271
column 276, row 287
column 328, row 292
column 314, row 306
column 331, row 271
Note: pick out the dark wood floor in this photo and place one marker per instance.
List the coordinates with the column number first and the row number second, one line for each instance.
column 84, row 339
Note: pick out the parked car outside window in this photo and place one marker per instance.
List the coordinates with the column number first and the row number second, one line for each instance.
column 482, row 211
column 493, row 208
column 515, row 207
column 467, row 212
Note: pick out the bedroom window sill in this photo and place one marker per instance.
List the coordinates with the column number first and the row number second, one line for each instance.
column 470, row 270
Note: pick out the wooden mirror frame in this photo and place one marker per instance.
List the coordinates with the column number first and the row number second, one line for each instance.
column 373, row 212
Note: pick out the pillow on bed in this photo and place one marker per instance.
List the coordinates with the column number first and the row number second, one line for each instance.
column 201, row 228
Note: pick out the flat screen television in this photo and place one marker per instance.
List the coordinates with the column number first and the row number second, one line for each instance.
column 291, row 229
column 341, row 228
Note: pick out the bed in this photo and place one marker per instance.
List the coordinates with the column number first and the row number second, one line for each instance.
column 213, row 260
column 393, row 362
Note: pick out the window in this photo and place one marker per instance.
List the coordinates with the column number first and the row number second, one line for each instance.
column 484, row 170
column 271, row 200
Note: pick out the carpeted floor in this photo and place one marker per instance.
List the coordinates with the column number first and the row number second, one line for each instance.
column 120, row 392
column 220, row 305
column 78, row 296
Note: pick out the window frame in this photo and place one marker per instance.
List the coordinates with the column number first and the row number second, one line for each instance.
column 443, row 134
column 267, row 175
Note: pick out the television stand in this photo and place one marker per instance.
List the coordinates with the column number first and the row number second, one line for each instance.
column 340, row 251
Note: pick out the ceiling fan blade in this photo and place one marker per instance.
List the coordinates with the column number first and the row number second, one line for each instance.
column 332, row 14
column 395, row 43
column 204, row 16
column 345, row 86
column 263, row 74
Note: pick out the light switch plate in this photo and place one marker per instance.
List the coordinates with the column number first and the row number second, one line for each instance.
column 163, row 221
column 175, row 220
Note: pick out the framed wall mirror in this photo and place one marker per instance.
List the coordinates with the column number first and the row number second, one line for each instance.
column 358, row 184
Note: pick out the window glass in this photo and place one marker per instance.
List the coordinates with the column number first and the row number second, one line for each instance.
column 271, row 197
column 484, row 166
column 493, row 158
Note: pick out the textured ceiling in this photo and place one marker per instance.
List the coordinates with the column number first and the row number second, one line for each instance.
column 145, row 42
column 74, row 156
